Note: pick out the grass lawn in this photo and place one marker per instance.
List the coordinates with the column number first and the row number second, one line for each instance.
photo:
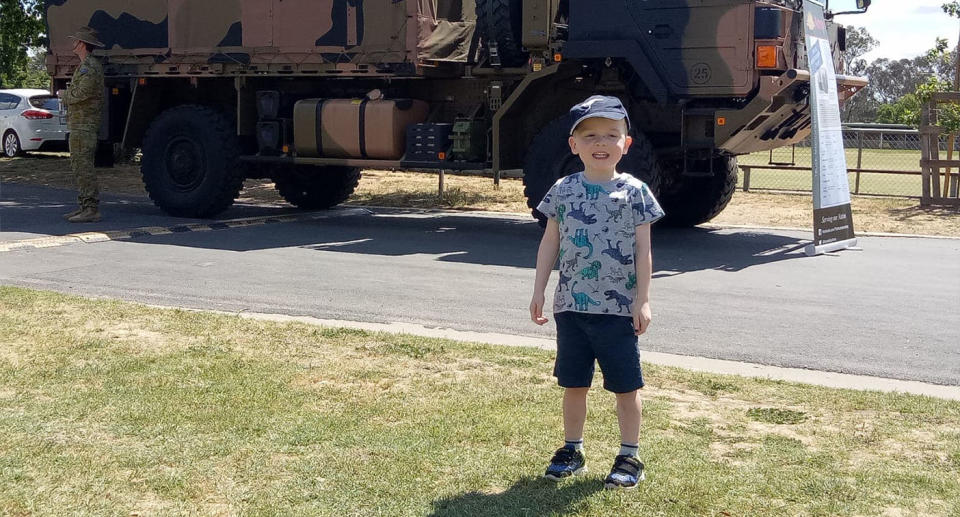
column 882, row 159
column 111, row 408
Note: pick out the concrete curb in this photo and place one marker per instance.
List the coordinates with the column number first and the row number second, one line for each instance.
column 144, row 231
column 701, row 364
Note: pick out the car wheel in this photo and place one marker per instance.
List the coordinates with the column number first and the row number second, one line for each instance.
column 11, row 144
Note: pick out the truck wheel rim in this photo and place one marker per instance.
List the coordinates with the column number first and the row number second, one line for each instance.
column 10, row 145
column 185, row 164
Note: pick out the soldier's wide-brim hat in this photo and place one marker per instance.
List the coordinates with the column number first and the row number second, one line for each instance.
column 88, row 35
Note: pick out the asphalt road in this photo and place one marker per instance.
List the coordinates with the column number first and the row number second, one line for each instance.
column 891, row 310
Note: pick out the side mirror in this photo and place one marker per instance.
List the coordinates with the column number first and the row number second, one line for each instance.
column 863, row 4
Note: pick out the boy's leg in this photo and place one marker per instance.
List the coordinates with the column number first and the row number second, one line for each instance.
column 630, row 416
column 618, row 353
column 569, row 459
column 574, row 372
column 574, row 413
column 627, row 468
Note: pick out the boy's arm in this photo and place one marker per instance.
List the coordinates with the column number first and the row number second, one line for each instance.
column 644, row 261
column 546, row 259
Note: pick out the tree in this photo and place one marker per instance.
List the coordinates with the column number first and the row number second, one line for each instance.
column 36, row 72
column 861, row 107
column 906, row 109
column 953, row 9
column 859, row 42
column 21, row 27
column 892, row 80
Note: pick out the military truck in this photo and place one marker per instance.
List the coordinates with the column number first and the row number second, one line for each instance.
column 309, row 92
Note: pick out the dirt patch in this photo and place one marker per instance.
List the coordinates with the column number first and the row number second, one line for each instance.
column 731, row 453
column 420, row 190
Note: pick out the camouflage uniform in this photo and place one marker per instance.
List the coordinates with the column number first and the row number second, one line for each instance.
column 84, row 102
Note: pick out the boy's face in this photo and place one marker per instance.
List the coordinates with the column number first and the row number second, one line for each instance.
column 600, row 143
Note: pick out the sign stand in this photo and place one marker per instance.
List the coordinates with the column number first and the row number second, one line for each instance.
column 832, row 216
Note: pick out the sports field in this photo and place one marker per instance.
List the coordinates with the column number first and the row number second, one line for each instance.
column 887, row 184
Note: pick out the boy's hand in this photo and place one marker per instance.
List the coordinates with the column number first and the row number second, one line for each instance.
column 536, row 309
column 641, row 317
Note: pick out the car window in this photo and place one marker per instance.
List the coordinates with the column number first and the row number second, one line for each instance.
column 8, row 101
column 47, row 102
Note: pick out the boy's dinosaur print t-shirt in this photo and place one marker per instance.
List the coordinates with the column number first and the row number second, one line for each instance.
column 598, row 273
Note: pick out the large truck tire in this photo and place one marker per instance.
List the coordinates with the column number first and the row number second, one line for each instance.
column 501, row 22
column 550, row 159
column 693, row 200
column 189, row 164
column 316, row 188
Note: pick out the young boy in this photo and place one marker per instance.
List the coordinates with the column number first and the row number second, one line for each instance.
column 599, row 225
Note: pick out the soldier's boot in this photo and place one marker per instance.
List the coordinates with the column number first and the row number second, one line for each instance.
column 87, row 215
column 68, row 215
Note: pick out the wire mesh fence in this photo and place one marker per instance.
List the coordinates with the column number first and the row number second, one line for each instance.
column 883, row 161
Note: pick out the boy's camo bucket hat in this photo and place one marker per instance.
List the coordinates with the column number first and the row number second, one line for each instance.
column 88, row 35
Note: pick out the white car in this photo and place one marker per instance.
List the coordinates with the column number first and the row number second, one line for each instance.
column 31, row 120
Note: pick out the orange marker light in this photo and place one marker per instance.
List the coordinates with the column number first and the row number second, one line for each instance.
column 441, row 156
column 286, row 149
column 115, row 91
column 558, row 57
column 142, row 81
column 766, row 56
column 721, row 121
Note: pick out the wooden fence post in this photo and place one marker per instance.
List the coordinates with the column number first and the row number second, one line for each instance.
column 930, row 162
column 925, row 153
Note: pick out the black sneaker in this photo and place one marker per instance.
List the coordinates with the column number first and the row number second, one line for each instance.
column 627, row 471
column 566, row 462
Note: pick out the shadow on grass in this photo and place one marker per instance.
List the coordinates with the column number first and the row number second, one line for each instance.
column 912, row 212
column 528, row 497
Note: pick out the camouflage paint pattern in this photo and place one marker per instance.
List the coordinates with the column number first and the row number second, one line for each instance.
column 333, row 25
column 120, row 23
column 249, row 31
column 195, row 25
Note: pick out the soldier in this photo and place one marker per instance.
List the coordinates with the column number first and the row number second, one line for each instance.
column 84, row 102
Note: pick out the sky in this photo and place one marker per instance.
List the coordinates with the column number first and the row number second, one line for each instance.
column 904, row 28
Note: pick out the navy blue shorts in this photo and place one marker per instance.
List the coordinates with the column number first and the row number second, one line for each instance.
column 607, row 339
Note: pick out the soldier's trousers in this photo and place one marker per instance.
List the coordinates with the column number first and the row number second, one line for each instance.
column 83, row 145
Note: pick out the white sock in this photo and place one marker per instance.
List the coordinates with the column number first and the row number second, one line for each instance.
column 576, row 445
column 628, row 449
